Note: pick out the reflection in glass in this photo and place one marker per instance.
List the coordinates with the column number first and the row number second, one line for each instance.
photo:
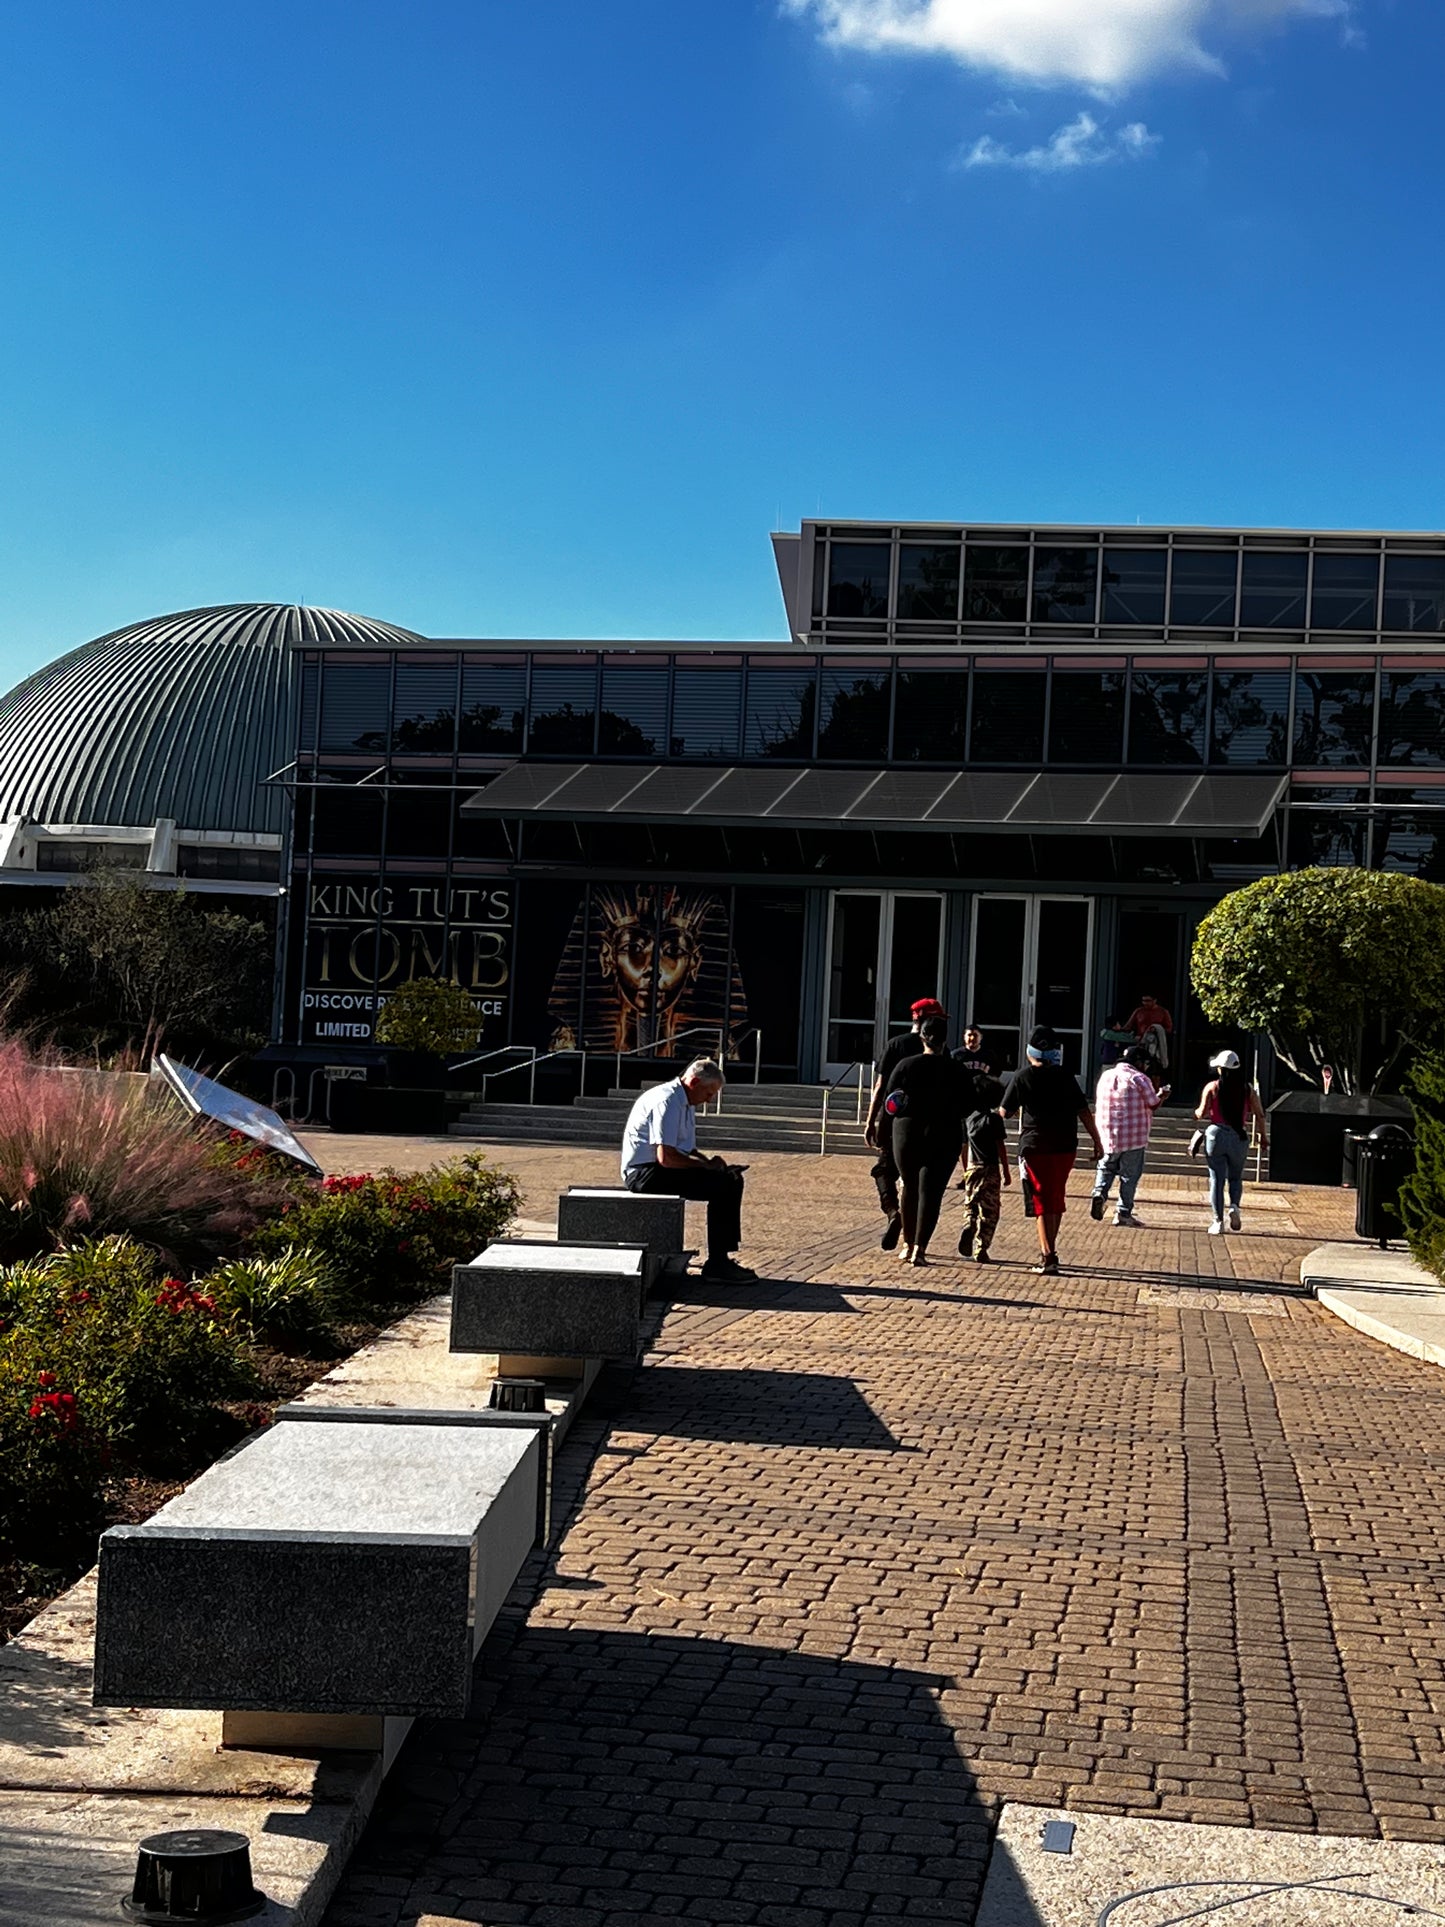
column 1333, row 719
column 633, row 721
column 1415, row 592
column 1202, row 595
column 781, row 707
column 564, row 709
column 1134, row 585
column 494, row 702
column 1250, row 726
column 928, row 582
column 347, row 821
column 705, row 711
column 854, row 715
column 1343, row 596
column 1272, row 592
column 354, row 701
column 858, row 578
column 1166, row 716
column 930, row 710
column 1412, row 718
column 1328, row 838
column 996, row 584
column 1008, row 717
column 418, row 821
column 1412, row 841
column 1064, row 584
column 424, row 710
column 1086, row 716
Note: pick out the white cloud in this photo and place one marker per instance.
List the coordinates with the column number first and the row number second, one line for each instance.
column 1082, row 143
column 1105, row 45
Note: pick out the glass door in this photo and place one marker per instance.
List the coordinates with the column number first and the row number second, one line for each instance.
column 885, row 950
column 1030, row 964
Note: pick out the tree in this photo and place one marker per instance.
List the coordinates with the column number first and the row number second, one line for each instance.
column 1342, row 967
column 429, row 1014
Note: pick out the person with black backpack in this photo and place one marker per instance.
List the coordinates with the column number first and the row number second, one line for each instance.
column 987, row 1171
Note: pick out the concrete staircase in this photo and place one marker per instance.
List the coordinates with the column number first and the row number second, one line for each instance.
column 754, row 1117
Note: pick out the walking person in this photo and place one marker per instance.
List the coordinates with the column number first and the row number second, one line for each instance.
column 1152, row 1027
column 1050, row 1106
column 928, row 1097
column 969, row 1056
column 987, row 1171
column 1227, row 1106
column 1124, row 1106
column 659, row 1153
column 877, row 1132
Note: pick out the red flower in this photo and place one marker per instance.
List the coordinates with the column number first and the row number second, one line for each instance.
column 57, row 1408
column 45, row 1378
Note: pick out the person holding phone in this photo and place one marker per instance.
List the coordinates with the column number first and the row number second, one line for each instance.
column 659, row 1153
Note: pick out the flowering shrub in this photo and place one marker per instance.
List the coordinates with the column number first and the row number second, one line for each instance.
column 283, row 1298
column 50, row 1461
column 396, row 1235
column 84, row 1154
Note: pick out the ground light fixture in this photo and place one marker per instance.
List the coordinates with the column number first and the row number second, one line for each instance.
column 196, row 1876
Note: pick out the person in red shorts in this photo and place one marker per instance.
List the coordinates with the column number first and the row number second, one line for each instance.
column 1049, row 1105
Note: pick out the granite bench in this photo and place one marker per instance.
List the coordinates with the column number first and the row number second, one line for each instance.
column 589, row 1214
column 343, row 1573
column 545, row 1309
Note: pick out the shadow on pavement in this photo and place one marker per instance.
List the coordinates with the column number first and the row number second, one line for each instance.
column 756, row 1407
column 1275, row 1287
column 611, row 1775
column 767, row 1294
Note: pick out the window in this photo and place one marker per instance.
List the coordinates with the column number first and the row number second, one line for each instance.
column 1344, row 590
column 1166, row 716
column 310, row 704
column 347, row 821
column 494, row 703
column 1415, row 592
column 1411, row 841
column 928, row 582
column 1134, row 585
column 1086, row 716
column 1065, row 584
column 705, row 711
column 424, row 714
column 858, row 578
column 930, row 710
column 227, row 863
column 996, row 584
column 781, row 708
column 564, row 708
column 853, row 718
column 1202, row 595
column 1008, row 716
column 1412, row 718
column 1333, row 718
column 1250, row 723
column 74, row 854
column 1335, row 838
column 418, row 821
column 633, row 721
column 1272, row 592
column 354, row 701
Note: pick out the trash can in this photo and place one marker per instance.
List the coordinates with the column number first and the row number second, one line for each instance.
column 1383, row 1161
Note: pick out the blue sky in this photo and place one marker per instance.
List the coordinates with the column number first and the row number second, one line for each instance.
column 532, row 317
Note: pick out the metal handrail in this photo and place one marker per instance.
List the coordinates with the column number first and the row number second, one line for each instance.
column 828, row 1090
column 531, row 1064
column 501, row 1051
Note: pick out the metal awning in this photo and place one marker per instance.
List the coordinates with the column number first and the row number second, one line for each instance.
column 1042, row 802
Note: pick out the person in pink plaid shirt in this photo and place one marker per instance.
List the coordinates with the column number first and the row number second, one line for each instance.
column 1124, row 1105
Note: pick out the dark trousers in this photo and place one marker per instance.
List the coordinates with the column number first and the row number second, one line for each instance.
column 720, row 1186
column 885, row 1172
column 925, row 1155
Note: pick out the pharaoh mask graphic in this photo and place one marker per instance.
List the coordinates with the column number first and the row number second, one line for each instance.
column 651, row 962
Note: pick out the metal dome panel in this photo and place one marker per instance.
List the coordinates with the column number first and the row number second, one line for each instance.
column 182, row 716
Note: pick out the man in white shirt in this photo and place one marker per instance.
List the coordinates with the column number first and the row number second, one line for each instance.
column 659, row 1153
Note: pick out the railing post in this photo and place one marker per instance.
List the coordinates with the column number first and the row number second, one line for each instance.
column 823, row 1133
column 532, row 1083
column 757, row 1056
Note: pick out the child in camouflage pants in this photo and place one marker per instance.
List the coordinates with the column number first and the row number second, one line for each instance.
column 987, row 1171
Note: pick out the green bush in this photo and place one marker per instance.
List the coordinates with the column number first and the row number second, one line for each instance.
column 51, row 1461
column 429, row 1014
column 395, row 1236
column 1422, row 1196
column 283, row 1299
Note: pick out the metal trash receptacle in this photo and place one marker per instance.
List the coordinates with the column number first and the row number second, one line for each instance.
column 1383, row 1161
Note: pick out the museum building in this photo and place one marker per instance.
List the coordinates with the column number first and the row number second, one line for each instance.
column 1013, row 765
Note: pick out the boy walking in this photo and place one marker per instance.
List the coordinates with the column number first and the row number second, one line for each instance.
column 986, row 1172
column 1125, row 1104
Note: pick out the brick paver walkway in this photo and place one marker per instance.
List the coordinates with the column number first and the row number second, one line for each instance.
column 857, row 1555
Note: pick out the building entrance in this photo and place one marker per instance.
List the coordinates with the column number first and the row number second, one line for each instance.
column 1030, row 962
column 885, row 949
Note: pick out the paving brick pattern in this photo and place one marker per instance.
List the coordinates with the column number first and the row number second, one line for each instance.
column 859, row 1554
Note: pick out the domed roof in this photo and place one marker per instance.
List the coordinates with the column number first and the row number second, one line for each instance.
column 182, row 716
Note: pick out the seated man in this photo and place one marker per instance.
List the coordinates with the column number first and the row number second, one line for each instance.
column 659, row 1153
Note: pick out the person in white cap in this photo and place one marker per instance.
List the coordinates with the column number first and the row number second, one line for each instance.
column 1227, row 1106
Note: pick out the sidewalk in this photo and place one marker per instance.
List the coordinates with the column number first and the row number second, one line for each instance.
column 1383, row 1294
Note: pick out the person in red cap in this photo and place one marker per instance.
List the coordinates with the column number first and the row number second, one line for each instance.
column 885, row 1171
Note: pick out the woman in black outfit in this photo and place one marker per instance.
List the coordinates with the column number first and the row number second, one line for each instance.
column 929, row 1097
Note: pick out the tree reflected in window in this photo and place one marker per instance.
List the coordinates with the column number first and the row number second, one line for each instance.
column 1333, row 719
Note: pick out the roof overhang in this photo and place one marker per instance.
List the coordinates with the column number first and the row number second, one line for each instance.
column 1034, row 802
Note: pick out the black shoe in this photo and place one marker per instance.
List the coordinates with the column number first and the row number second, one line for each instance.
column 1049, row 1265
column 981, row 1257
column 891, row 1236
column 1096, row 1206
column 965, row 1242
column 727, row 1271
